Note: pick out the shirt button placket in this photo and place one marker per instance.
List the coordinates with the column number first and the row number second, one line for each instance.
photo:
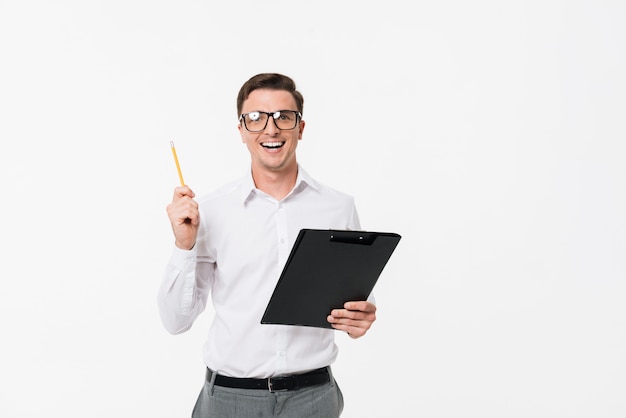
column 283, row 254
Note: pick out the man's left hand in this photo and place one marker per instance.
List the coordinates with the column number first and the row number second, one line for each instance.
column 355, row 318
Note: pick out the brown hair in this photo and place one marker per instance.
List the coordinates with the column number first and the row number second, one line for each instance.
column 272, row 81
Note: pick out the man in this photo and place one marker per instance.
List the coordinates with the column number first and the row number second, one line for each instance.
column 233, row 244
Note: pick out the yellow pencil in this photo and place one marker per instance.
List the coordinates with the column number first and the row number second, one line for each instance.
column 180, row 174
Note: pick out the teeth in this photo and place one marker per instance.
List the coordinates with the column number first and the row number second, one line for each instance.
column 272, row 144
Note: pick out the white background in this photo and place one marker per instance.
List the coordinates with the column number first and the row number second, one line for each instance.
column 489, row 134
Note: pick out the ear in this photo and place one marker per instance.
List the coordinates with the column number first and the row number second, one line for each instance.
column 301, row 129
column 240, row 129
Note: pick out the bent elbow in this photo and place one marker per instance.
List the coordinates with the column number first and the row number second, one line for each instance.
column 175, row 327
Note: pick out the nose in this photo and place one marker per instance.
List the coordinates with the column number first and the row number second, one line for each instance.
column 270, row 127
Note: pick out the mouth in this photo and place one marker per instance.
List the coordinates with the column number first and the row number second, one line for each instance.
column 272, row 145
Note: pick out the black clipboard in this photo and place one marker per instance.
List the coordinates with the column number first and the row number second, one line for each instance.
column 325, row 269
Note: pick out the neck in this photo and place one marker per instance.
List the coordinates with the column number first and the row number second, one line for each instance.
column 277, row 184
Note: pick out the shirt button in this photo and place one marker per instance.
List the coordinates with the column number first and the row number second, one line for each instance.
column 282, row 240
column 281, row 353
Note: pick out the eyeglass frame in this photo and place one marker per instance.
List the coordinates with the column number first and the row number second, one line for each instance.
column 271, row 114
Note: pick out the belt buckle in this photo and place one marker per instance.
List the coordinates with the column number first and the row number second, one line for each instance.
column 270, row 386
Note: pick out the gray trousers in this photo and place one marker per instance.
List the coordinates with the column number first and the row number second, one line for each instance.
column 321, row 401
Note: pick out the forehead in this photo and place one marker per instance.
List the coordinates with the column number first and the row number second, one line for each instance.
column 267, row 100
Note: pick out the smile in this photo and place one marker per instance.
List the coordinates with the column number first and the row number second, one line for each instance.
column 272, row 145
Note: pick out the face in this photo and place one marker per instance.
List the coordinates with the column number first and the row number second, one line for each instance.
column 272, row 149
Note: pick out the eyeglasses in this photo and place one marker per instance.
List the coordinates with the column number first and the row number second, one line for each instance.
column 283, row 119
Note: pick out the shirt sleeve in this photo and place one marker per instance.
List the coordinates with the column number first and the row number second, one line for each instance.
column 354, row 223
column 184, row 290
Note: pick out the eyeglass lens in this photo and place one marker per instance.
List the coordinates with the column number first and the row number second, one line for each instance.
column 257, row 121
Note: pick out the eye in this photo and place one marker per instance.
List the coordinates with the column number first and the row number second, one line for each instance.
column 254, row 116
column 282, row 115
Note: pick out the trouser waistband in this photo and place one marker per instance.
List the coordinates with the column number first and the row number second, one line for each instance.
column 293, row 382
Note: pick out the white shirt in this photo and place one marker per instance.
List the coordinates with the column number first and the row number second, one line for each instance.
column 244, row 240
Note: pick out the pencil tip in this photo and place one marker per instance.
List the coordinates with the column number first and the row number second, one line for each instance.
column 172, row 144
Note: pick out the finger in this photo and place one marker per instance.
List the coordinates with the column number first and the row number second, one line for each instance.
column 183, row 191
column 183, row 212
column 352, row 315
column 351, row 331
column 362, row 306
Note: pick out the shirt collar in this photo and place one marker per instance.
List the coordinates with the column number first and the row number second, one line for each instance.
column 302, row 180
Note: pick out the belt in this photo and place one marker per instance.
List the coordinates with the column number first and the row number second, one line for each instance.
column 273, row 384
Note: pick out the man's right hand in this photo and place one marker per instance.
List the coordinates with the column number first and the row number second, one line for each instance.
column 184, row 217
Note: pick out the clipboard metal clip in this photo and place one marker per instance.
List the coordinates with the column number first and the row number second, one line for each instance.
column 363, row 238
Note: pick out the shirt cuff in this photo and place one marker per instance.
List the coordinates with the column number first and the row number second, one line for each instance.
column 180, row 258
